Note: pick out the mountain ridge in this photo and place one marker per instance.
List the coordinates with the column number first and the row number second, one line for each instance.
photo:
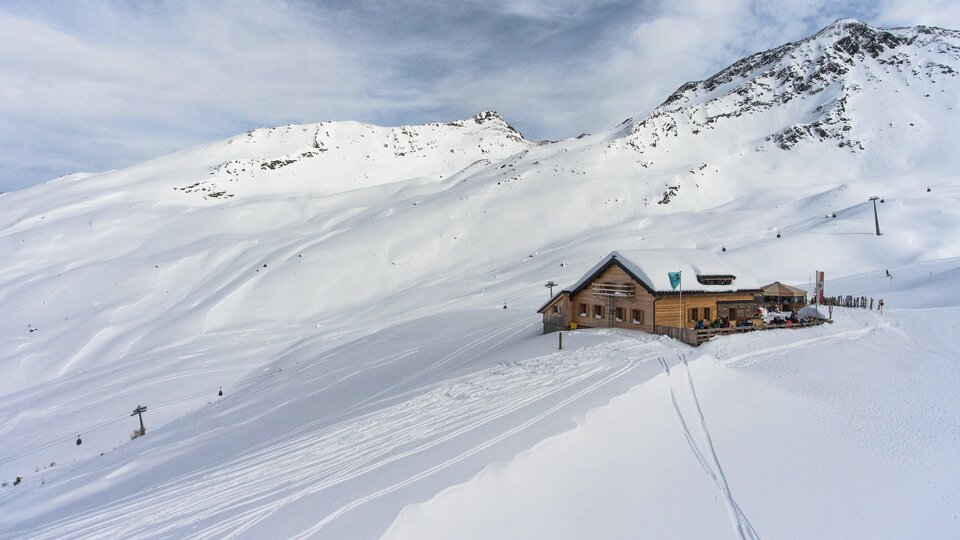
column 838, row 61
column 832, row 62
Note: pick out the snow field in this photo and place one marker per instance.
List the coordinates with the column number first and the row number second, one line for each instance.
column 350, row 458
column 850, row 433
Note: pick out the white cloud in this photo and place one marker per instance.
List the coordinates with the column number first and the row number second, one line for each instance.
column 75, row 99
column 942, row 13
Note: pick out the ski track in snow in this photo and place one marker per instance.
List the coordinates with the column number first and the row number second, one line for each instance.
column 614, row 375
column 486, row 339
column 707, row 455
column 742, row 360
column 240, row 493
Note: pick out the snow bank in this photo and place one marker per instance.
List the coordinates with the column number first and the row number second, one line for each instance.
column 814, row 312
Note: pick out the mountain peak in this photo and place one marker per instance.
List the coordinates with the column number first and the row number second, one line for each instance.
column 488, row 116
column 852, row 38
column 830, row 51
column 490, row 119
column 845, row 24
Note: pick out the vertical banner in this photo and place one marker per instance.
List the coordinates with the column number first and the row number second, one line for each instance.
column 818, row 290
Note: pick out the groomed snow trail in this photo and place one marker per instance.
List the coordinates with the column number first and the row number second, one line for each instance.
column 625, row 367
column 707, row 454
column 372, row 449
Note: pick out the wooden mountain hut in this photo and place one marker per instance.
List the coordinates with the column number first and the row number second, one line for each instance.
column 632, row 289
column 781, row 297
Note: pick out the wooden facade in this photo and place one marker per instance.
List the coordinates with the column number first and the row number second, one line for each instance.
column 614, row 298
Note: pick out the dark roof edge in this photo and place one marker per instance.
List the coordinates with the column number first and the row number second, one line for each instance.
column 738, row 291
column 552, row 300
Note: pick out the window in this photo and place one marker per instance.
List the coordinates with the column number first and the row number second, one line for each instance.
column 597, row 312
column 556, row 309
column 692, row 314
column 637, row 315
column 583, row 310
column 706, row 313
column 620, row 312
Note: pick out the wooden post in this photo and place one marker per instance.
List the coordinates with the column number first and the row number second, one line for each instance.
column 561, row 341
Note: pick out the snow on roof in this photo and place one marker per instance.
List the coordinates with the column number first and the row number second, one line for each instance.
column 652, row 266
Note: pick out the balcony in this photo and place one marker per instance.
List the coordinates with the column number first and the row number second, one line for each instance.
column 624, row 290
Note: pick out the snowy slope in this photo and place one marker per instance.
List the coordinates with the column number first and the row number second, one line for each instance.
column 846, row 431
column 344, row 285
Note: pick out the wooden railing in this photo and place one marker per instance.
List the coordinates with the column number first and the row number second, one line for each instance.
column 612, row 289
column 685, row 335
column 698, row 337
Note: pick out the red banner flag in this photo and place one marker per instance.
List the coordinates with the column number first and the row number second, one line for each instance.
column 818, row 291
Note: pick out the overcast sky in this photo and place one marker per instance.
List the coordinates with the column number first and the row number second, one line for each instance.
column 91, row 86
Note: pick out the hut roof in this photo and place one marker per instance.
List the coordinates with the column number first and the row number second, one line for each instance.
column 650, row 267
column 779, row 289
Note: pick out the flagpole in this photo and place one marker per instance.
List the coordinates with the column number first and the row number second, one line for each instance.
column 680, row 275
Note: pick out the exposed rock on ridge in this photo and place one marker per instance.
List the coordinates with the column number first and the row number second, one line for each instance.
column 836, row 63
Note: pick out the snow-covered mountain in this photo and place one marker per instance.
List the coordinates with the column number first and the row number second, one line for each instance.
column 345, row 284
column 850, row 85
column 339, row 156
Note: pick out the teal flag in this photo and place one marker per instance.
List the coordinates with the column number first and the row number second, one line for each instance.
column 674, row 279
